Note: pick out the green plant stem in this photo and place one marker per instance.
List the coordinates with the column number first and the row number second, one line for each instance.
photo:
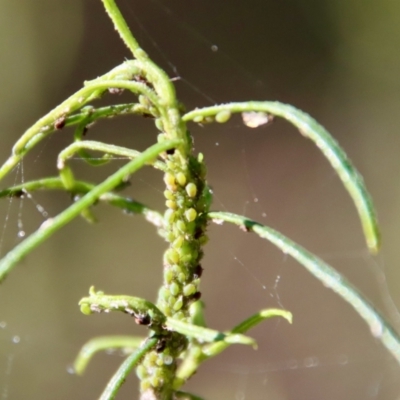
column 328, row 146
column 380, row 329
column 132, row 86
column 126, row 204
column 198, row 354
column 54, row 224
column 126, row 367
column 55, row 183
column 153, row 73
column 122, row 28
column 208, row 335
column 44, row 126
column 95, row 114
column 74, row 148
column 102, row 343
column 97, row 301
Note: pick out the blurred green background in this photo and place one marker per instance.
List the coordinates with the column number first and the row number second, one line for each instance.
column 337, row 60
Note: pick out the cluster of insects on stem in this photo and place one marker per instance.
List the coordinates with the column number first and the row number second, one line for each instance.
column 178, row 341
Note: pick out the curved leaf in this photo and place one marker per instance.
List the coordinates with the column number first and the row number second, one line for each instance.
column 325, row 142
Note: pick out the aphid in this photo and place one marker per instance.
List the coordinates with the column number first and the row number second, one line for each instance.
column 59, row 123
column 18, row 194
column 142, row 79
column 171, row 152
column 178, row 304
column 115, row 91
column 169, row 179
column 161, row 345
column 198, row 233
column 181, row 178
column 223, row 116
column 191, row 189
column 189, row 289
column 142, row 319
column 171, row 204
column 198, row 271
column 194, row 297
column 174, row 288
column 254, row 119
column 122, row 185
column 244, row 228
column 191, row 214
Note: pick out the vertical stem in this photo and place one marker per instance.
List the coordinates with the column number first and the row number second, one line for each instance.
column 187, row 201
column 122, row 28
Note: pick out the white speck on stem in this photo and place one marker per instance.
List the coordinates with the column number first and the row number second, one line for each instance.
column 46, row 223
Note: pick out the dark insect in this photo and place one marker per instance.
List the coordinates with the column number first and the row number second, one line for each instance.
column 198, row 233
column 19, row 194
column 142, row 79
column 142, row 319
column 194, row 297
column 170, row 152
column 59, row 123
column 161, row 344
column 198, row 271
column 244, row 228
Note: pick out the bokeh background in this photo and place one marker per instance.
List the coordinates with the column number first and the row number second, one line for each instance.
column 337, row 60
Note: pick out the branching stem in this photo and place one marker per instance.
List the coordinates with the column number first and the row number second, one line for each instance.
column 54, row 224
column 176, row 321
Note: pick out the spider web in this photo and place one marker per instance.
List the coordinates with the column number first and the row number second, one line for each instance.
column 270, row 174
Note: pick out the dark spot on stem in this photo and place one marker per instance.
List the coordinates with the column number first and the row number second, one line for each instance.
column 194, row 297
column 161, row 345
column 19, row 194
column 59, row 123
column 244, row 228
column 142, row 79
column 142, row 319
column 122, row 185
column 198, row 271
column 198, row 233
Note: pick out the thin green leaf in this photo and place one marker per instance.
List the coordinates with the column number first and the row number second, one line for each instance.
column 207, row 335
column 52, row 225
column 93, row 90
column 126, row 367
column 198, row 354
column 54, row 183
column 74, row 148
column 328, row 146
column 103, row 343
column 215, row 348
column 260, row 317
column 145, row 312
column 379, row 327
